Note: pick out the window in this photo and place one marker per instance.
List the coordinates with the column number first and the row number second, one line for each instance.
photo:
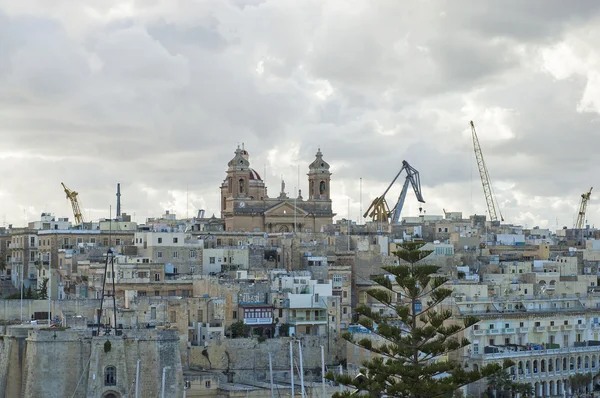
column 157, row 277
column 207, row 384
column 93, row 241
column 159, row 240
column 192, row 253
column 118, row 242
column 345, row 294
column 491, row 341
column 172, row 293
column 141, row 293
column 212, row 260
column 551, row 323
column 537, row 324
column 337, row 278
column 110, row 376
column 175, row 254
column 234, row 314
column 345, row 310
column 153, row 313
column 157, row 292
column 566, row 322
column 185, row 293
column 280, row 313
column 175, row 240
column 172, row 316
column 579, row 322
column 159, row 254
column 521, row 324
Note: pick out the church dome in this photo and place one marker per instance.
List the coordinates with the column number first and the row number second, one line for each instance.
column 254, row 175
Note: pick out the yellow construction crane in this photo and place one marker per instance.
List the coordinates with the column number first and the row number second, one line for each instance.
column 585, row 197
column 379, row 210
column 72, row 196
column 488, row 191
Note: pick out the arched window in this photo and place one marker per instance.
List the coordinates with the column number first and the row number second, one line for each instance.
column 241, row 185
column 322, row 187
column 230, row 184
column 110, row 376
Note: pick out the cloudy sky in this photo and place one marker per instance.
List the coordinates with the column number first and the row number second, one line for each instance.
column 157, row 94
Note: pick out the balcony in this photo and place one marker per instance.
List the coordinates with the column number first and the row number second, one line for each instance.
column 311, row 320
column 567, row 327
column 509, row 330
column 540, row 329
column 494, row 331
column 523, row 330
column 479, row 332
column 538, row 353
column 595, row 325
column 581, row 326
column 555, row 328
column 258, row 321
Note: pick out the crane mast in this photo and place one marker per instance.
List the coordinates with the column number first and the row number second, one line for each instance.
column 73, row 198
column 488, row 192
column 585, row 197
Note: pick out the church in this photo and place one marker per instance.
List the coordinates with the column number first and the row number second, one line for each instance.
column 246, row 207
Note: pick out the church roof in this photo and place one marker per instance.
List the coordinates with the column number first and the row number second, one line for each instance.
column 254, row 175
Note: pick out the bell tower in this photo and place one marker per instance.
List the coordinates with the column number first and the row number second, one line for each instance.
column 319, row 178
column 236, row 183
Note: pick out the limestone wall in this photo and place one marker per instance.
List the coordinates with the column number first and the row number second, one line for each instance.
column 11, row 309
column 39, row 362
column 249, row 359
column 54, row 363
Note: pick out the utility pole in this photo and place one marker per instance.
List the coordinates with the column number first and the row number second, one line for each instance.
column 164, row 376
column 137, row 379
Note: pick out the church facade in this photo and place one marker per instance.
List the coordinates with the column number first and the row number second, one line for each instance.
column 246, row 207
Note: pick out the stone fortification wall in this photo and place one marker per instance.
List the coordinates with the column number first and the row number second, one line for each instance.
column 54, row 363
column 11, row 309
column 249, row 359
column 13, row 349
column 155, row 349
column 40, row 362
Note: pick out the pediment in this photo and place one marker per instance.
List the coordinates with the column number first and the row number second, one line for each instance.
column 285, row 209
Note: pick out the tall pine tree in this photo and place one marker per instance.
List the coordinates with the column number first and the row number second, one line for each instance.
column 416, row 339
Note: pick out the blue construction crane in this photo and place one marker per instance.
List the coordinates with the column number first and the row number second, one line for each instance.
column 379, row 211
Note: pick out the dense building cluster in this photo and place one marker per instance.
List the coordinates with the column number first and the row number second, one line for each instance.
column 239, row 287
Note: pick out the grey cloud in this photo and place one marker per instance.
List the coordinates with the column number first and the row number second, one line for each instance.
column 158, row 100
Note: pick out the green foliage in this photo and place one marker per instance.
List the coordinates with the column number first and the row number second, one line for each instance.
column 578, row 382
column 500, row 385
column 239, row 329
column 42, row 292
column 3, row 261
column 412, row 341
column 107, row 346
column 284, row 330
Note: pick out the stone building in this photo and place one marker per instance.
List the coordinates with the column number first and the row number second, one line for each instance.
column 245, row 205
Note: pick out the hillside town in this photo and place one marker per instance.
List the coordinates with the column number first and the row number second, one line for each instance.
column 256, row 299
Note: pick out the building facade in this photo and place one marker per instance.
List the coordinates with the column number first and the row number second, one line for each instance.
column 245, row 205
